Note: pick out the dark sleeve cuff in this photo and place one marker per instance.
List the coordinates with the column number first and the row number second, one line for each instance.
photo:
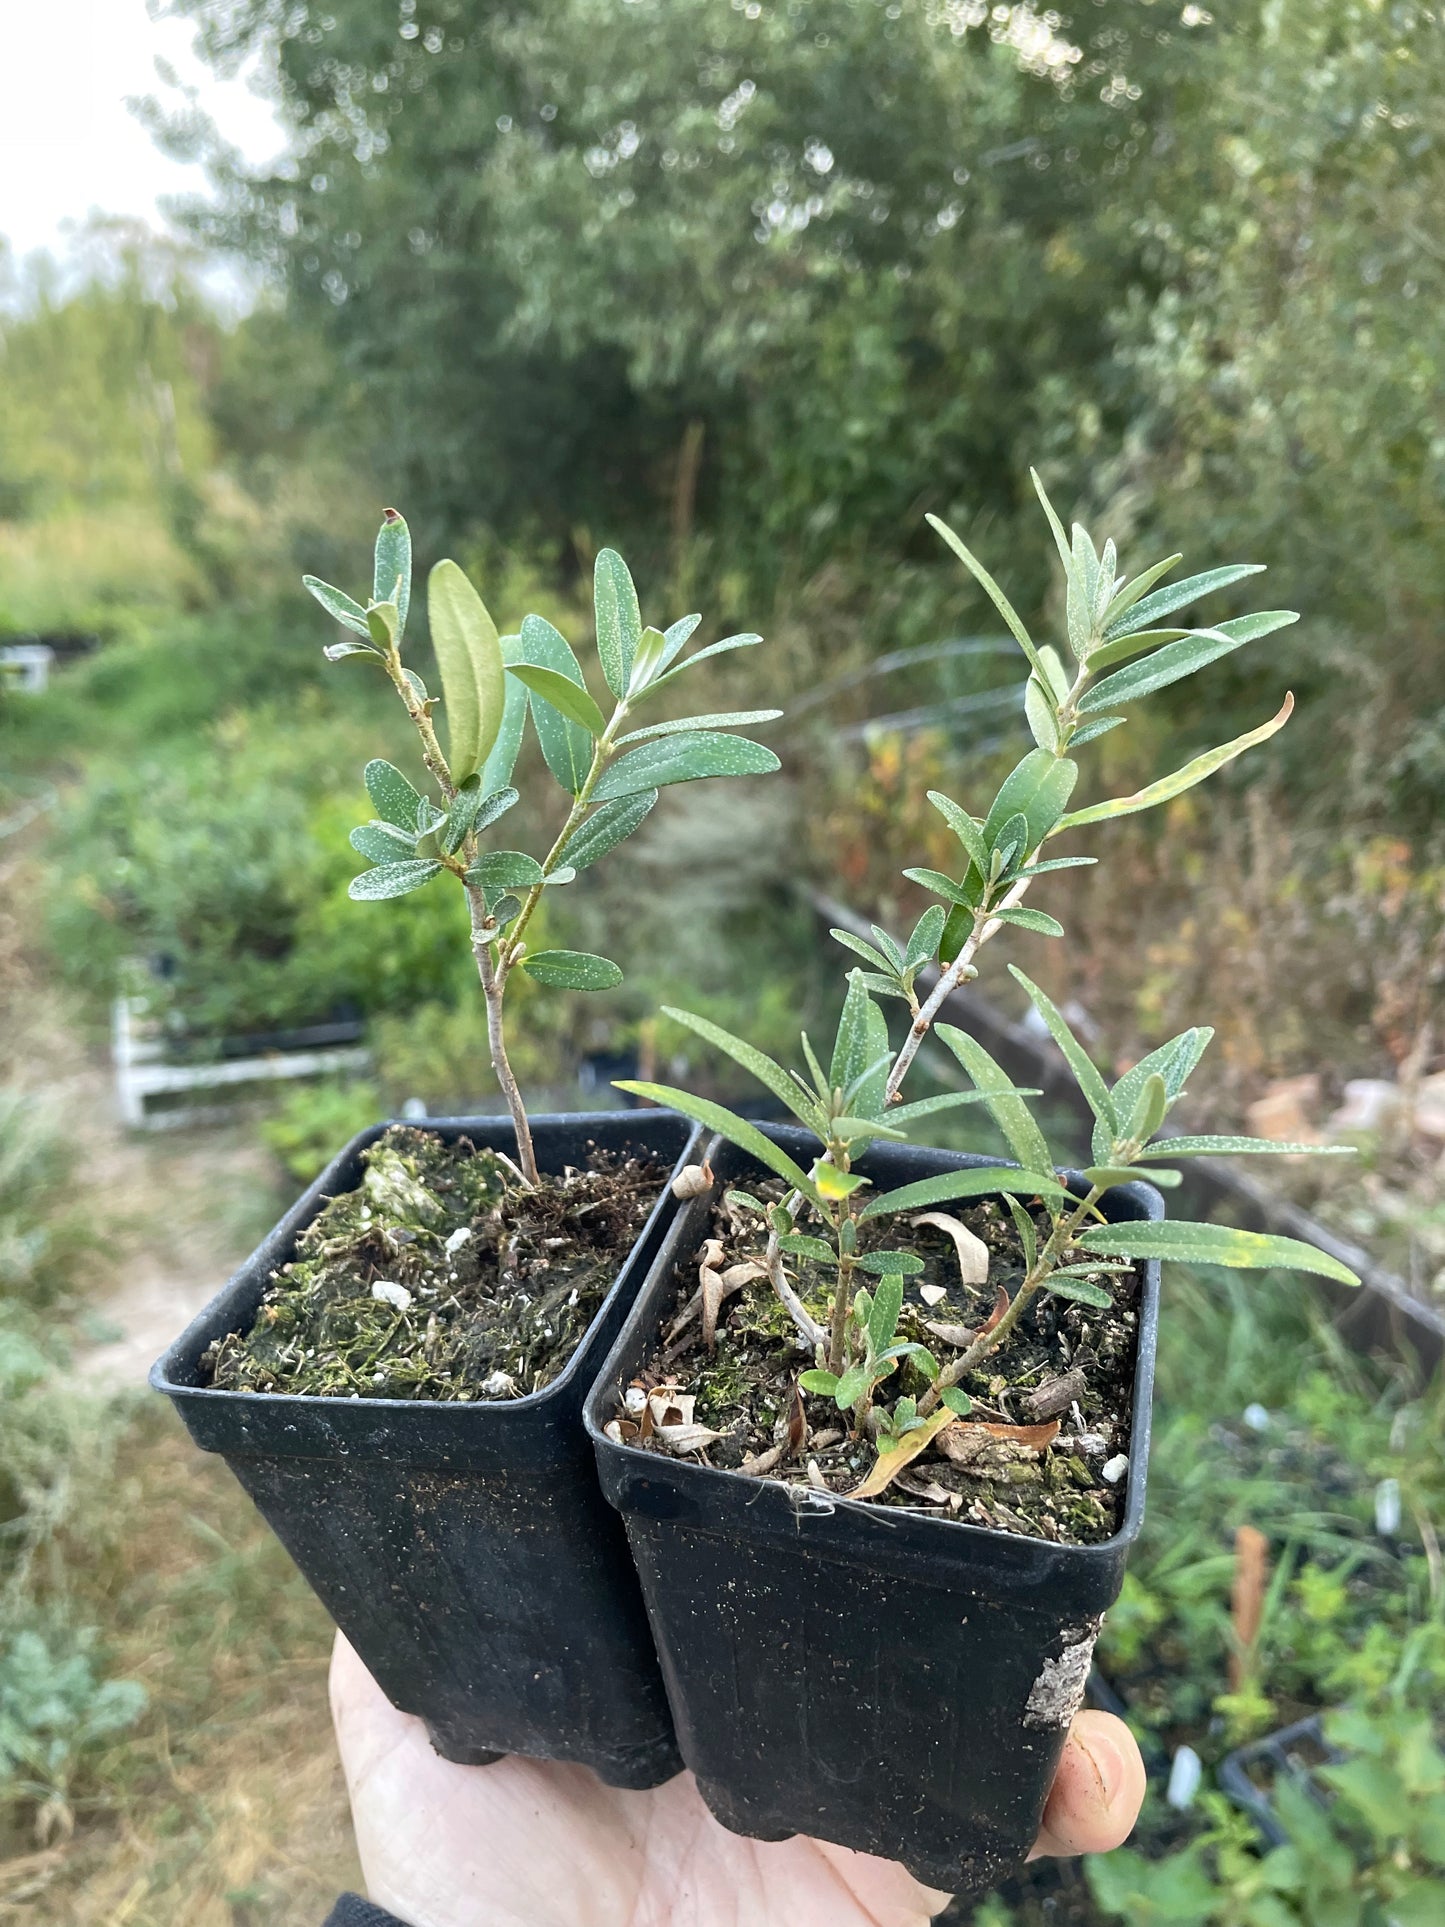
column 352, row 1911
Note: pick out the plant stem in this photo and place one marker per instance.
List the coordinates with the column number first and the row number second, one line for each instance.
column 811, row 1331
column 949, row 980
column 431, row 749
column 986, row 1342
column 842, row 1304
column 493, row 987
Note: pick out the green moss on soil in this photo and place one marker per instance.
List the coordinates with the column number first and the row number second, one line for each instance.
column 441, row 1277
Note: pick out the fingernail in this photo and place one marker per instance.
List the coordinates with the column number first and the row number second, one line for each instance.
column 1104, row 1756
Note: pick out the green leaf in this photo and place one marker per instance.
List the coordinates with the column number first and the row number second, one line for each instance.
column 1107, row 1175
column 391, row 880
column 768, row 1073
column 1080, row 1290
column 923, row 945
column 1123, row 647
column 380, row 843
column 566, row 717
column 1027, row 1230
column 1220, row 1147
column 1039, row 711
column 1174, row 1062
column 799, row 1246
column 940, row 885
column 570, row 699
column 1086, row 1073
column 724, row 719
column 339, row 651
column 956, row 1401
column 1008, row 1110
column 883, row 1312
column 848, row 1130
column 995, row 594
column 469, row 656
column 946, row 1101
column 683, row 759
column 823, row 1383
column 504, row 909
column 507, row 870
column 859, row 1066
column 887, row 945
column 383, row 625
column 676, row 636
column 647, row 661
column 496, row 771
column 1100, row 726
column 1179, row 659
column 1132, row 592
column 619, row 621
column 1009, row 845
column 461, row 815
column 851, row 1387
column 1179, row 595
column 494, row 804
column 338, row 606
column 864, row 950
column 1213, row 1244
column 1149, row 1109
column 1168, row 787
column 572, row 970
column 391, row 572
column 747, row 1201
column 968, row 832
column 394, row 799
column 1059, row 863
column 1038, row 790
column 606, row 828
column 815, row 1069
column 834, row 1184
column 747, row 641
column 1036, row 920
column 978, row 1183
column 1082, row 594
column 901, row 1264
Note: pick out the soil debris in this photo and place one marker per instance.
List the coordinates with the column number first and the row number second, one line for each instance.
column 442, row 1277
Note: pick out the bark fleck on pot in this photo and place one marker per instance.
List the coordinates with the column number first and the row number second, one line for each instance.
column 463, row 1548
column 889, row 1682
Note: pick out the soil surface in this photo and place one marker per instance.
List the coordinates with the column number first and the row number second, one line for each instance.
column 442, row 1276
column 1051, row 1407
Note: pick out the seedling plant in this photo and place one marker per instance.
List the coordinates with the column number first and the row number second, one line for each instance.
column 611, row 772
column 1122, row 647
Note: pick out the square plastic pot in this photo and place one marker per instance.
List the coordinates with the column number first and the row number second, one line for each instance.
column 464, row 1549
column 890, row 1682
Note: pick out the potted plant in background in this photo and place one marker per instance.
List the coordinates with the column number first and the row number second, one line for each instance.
column 881, row 1462
column 396, row 1374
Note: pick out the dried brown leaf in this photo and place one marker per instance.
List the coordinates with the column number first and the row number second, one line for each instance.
column 687, row 1438
column 972, row 1251
column 890, row 1464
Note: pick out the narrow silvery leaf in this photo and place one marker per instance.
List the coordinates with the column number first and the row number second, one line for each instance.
column 1080, row 1290
column 383, row 624
column 1039, row 711
column 883, row 1312
column 683, row 759
column 1039, row 921
column 1213, row 1244
column 1061, row 541
column 380, row 843
column 469, row 656
column 462, row 815
column 648, row 662
column 1059, row 681
column 1059, row 863
column 338, row 606
column 939, row 884
column 968, row 832
column 391, row 575
column 1027, row 1230
column 747, row 641
column 1219, row 1147
column 1039, row 789
column 948, row 1185
column 1132, row 592
column 1010, row 844
column 1168, row 787
column 945, row 1101
column 861, row 949
column 494, row 804
column 1179, row 595
column 1179, row 659
column 1086, row 1073
column 724, row 719
column 619, row 620
column 755, row 1062
column 1009, row 1112
column 496, row 771
column 1175, row 1062
column 572, row 970
column 505, row 870
column 394, row 798
column 737, row 1130
column 676, row 636
column 927, row 933
column 1149, row 1109
column 995, row 594
column 888, row 945
column 338, row 651
column 1100, row 726
column 860, row 1051
column 567, row 719
column 606, row 828
column 392, row 880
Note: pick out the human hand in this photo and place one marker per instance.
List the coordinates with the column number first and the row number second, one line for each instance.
column 529, row 1843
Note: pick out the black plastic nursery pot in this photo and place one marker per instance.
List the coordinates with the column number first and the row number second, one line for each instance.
column 889, row 1682
column 463, row 1548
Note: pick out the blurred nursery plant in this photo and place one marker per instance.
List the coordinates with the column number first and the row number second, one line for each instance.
column 611, row 774
column 1069, row 1247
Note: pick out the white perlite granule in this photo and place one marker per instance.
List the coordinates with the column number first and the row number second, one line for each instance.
column 1057, row 1692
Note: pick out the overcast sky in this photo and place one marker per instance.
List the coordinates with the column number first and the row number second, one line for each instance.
column 68, row 142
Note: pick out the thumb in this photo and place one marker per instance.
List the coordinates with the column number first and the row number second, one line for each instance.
column 1097, row 1791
